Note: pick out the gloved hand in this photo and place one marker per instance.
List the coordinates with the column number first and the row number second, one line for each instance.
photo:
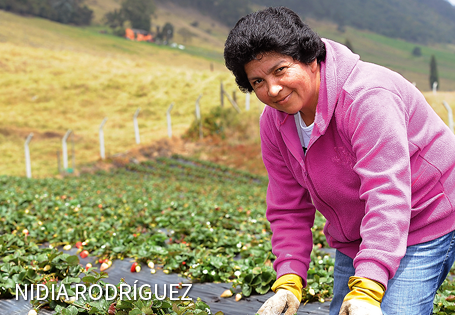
column 364, row 299
column 288, row 290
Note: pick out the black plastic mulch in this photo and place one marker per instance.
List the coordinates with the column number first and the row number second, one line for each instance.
column 208, row 292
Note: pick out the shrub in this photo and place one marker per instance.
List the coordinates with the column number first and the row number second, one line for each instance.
column 219, row 122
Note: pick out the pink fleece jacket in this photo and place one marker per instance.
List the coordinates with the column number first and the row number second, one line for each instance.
column 380, row 167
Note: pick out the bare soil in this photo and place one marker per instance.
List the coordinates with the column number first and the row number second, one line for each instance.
column 243, row 156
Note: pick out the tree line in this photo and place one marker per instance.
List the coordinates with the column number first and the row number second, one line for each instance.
column 62, row 11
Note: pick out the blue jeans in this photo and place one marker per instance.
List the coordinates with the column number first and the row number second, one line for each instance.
column 412, row 290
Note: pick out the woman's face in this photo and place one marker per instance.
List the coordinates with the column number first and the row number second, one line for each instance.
column 285, row 84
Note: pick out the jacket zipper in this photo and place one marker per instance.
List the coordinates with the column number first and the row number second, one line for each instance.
column 313, row 189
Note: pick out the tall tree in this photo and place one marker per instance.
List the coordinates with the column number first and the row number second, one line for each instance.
column 433, row 72
column 138, row 13
column 115, row 20
column 63, row 11
column 168, row 32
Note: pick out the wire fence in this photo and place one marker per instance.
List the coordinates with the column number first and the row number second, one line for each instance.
column 62, row 157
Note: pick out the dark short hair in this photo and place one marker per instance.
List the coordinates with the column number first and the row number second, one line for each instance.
column 277, row 30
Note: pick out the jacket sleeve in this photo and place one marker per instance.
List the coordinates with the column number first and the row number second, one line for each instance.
column 289, row 208
column 376, row 123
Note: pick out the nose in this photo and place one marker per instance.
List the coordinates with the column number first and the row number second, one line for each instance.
column 274, row 89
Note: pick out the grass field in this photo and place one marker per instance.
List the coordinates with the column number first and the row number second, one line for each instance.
column 55, row 77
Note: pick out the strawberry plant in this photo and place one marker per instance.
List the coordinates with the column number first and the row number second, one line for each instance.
column 96, row 302
column 199, row 219
column 25, row 263
column 320, row 277
column 444, row 300
column 257, row 279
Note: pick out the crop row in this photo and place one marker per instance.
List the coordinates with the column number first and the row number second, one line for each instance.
column 26, row 264
column 198, row 219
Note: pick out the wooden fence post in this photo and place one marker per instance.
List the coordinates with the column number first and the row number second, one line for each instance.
column 28, row 165
column 136, row 126
column 233, row 103
column 198, row 115
column 101, row 133
column 247, row 101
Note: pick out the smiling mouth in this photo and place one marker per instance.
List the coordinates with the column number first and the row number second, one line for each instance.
column 284, row 100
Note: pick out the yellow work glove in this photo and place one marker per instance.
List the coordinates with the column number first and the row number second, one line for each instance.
column 364, row 299
column 288, row 289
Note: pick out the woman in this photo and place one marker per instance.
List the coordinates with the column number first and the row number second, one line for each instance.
column 360, row 144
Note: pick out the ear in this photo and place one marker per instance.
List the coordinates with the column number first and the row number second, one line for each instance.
column 314, row 66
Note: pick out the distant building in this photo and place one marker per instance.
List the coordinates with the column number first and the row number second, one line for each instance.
column 138, row 35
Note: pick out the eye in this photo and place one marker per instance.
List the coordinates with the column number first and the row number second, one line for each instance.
column 279, row 69
column 257, row 81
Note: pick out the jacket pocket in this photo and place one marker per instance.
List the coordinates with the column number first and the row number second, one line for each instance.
column 425, row 179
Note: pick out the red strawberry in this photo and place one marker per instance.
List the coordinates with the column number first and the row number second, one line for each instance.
column 84, row 254
column 112, row 310
column 79, row 244
column 133, row 267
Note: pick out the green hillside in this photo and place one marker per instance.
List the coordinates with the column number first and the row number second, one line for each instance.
column 396, row 54
column 55, row 77
column 389, row 52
